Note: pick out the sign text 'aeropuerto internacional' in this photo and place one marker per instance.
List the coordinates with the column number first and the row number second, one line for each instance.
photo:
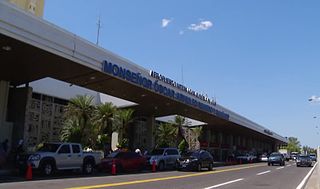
column 141, row 80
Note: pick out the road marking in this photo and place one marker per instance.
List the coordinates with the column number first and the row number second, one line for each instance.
column 280, row 168
column 303, row 182
column 288, row 165
column 162, row 178
column 225, row 183
column 265, row 172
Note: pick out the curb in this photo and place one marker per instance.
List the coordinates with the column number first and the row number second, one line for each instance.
column 305, row 180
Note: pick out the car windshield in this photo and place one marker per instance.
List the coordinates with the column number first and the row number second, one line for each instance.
column 157, row 152
column 275, row 155
column 191, row 154
column 49, row 147
column 303, row 157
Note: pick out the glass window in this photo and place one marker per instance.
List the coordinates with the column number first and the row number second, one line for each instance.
column 65, row 149
column 75, row 148
column 204, row 155
column 172, row 152
column 48, row 147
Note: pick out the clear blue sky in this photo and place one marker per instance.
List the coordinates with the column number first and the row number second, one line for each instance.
column 260, row 59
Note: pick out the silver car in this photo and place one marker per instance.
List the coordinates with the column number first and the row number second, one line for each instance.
column 164, row 158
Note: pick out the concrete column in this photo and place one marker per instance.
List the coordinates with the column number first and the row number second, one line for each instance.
column 231, row 140
column 4, row 92
column 220, row 139
column 151, row 132
column 5, row 127
column 208, row 135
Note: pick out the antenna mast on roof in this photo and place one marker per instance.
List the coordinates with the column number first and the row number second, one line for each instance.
column 98, row 33
column 182, row 80
column 98, row 96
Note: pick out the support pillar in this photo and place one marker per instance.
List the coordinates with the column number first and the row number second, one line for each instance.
column 5, row 127
column 151, row 132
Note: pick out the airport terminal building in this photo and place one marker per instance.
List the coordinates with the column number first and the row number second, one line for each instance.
column 43, row 66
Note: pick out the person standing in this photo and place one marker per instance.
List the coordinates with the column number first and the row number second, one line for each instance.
column 4, row 145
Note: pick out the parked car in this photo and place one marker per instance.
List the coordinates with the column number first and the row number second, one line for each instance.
column 246, row 158
column 304, row 160
column 63, row 156
column 276, row 158
column 124, row 161
column 313, row 157
column 164, row 158
column 286, row 156
column 293, row 155
column 195, row 160
column 263, row 158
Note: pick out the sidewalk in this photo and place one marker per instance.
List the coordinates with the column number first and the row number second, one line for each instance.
column 314, row 180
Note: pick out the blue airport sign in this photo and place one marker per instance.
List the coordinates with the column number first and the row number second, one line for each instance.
column 156, row 86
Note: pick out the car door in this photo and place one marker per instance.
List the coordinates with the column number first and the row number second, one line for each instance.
column 128, row 162
column 76, row 156
column 63, row 157
column 170, row 156
column 205, row 158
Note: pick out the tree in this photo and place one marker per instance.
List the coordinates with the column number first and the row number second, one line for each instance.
column 196, row 133
column 103, row 118
column 123, row 118
column 180, row 122
column 308, row 150
column 166, row 135
column 78, row 125
column 293, row 144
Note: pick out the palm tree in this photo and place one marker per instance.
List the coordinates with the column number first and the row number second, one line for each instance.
column 180, row 122
column 166, row 135
column 103, row 117
column 78, row 114
column 103, row 120
column 123, row 118
column 196, row 133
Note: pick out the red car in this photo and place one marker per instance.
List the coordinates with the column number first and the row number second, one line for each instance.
column 124, row 161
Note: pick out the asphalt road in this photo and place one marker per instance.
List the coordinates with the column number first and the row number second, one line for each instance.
column 247, row 176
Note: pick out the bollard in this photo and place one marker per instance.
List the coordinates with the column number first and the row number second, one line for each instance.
column 154, row 166
column 113, row 168
column 29, row 172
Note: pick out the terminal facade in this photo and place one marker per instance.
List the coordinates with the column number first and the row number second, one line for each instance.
column 43, row 69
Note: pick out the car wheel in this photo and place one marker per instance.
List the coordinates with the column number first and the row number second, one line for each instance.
column 268, row 164
column 88, row 167
column 199, row 167
column 161, row 166
column 210, row 167
column 47, row 168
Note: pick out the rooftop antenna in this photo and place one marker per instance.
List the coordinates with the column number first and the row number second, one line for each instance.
column 98, row 32
column 98, row 96
column 182, row 80
column 214, row 98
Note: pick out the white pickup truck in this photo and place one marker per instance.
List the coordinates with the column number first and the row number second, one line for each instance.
column 64, row 156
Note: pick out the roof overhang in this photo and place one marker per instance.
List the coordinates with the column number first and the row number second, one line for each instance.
column 32, row 48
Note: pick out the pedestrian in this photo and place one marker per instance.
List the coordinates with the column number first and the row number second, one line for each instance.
column 138, row 151
column 4, row 145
